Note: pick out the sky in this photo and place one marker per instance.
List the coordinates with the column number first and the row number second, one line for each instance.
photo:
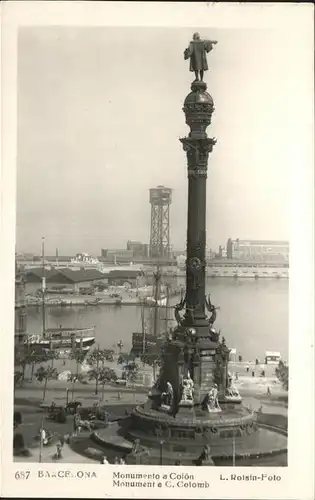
column 99, row 121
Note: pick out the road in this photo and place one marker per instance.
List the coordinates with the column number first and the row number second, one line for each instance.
column 34, row 419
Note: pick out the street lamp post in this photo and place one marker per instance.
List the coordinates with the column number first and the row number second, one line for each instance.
column 41, row 441
column 161, row 452
column 67, row 395
column 233, row 447
column 120, row 345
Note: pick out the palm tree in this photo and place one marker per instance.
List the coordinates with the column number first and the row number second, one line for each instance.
column 130, row 367
column 125, row 358
column 109, row 354
column 75, row 377
column 106, row 375
column 22, row 357
column 94, row 374
column 79, row 356
column 51, row 355
column 152, row 359
column 102, row 375
column 36, row 359
column 95, row 358
column 17, row 378
column 130, row 370
column 43, row 374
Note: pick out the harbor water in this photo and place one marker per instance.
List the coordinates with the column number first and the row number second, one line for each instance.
column 253, row 317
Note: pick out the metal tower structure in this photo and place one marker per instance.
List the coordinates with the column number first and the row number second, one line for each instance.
column 160, row 199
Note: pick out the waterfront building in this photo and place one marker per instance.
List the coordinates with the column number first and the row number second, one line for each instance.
column 138, row 249
column 61, row 280
column 264, row 250
column 20, row 319
column 133, row 278
column 272, row 357
column 116, row 255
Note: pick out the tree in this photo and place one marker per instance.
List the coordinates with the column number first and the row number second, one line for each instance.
column 94, row 374
column 131, row 370
column 282, row 372
column 79, row 356
column 94, row 359
column 73, row 378
column 43, row 374
column 36, row 359
column 152, row 359
column 106, row 375
column 17, row 377
column 125, row 357
column 23, row 357
column 102, row 375
column 109, row 354
column 52, row 355
column 98, row 356
column 130, row 367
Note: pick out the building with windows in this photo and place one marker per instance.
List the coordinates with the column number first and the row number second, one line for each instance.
column 126, row 277
column 263, row 250
column 116, row 255
column 138, row 249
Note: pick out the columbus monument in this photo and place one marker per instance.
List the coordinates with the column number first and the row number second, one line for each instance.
column 194, row 414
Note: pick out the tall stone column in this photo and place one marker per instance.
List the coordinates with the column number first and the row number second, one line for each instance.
column 194, row 346
column 198, row 109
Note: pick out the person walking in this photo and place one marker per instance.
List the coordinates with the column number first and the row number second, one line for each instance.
column 58, row 450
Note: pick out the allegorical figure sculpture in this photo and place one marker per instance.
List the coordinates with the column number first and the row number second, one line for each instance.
column 212, row 309
column 231, row 391
column 196, row 52
column 168, row 395
column 187, row 388
column 205, row 456
column 211, row 402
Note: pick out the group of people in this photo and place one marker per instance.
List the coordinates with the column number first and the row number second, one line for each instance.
column 45, row 439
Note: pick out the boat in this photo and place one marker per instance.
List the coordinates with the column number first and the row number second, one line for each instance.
column 85, row 260
column 151, row 343
column 94, row 302
column 162, row 302
column 59, row 339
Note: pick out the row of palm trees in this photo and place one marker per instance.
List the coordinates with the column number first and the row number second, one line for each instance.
column 43, row 369
column 27, row 356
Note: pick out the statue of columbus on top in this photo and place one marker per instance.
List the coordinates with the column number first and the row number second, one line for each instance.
column 196, row 52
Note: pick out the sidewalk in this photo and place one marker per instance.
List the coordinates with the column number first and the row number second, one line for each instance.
column 68, row 456
column 118, row 397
